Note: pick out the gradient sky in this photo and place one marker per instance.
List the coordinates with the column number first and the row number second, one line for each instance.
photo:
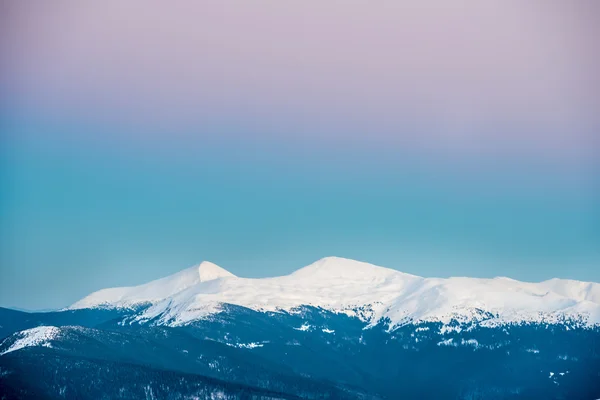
column 440, row 139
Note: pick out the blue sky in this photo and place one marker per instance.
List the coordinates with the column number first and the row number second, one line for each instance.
column 79, row 217
column 139, row 139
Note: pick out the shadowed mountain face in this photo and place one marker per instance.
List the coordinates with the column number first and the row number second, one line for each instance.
column 177, row 338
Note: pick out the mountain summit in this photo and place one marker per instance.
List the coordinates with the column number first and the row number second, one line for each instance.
column 359, row 289
column 329, row 268
column 208, row 271
column 156, row 290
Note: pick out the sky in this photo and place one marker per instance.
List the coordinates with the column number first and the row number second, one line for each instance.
column 139, row 138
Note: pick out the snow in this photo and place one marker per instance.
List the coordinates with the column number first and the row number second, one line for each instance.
column 39, row 336
column 304, row 328
column 359, row 289
column 447, row 342
column 469, row 342
column 156, row 290
column 251, row 345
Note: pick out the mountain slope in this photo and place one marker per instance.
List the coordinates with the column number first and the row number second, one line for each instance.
column 177, row 350
column 156, row 290
column 359, row 289
column 310, row 353
column 55, row 376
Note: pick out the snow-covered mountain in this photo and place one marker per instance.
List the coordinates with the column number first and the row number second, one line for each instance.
column 337, row 329
column 39, row 336
column 369, row 292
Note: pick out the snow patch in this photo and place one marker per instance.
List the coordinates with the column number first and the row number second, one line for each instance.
column 251, row 345
column 305, row 327
column 40, row 336
column 447, row 342
column 469, row 342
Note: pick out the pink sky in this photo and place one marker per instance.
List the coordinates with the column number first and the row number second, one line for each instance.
column 469, row 74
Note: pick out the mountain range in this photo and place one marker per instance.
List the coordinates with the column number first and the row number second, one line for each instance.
column 337, row 328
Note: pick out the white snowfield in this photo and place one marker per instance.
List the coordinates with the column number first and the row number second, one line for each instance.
column 358, row 289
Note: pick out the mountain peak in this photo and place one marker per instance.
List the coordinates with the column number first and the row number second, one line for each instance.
column 209, row 271
column 339, row 267
column 155, row 290
column 344, row 285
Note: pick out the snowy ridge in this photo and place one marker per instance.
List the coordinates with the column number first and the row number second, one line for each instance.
column 154, row 291
column 39, row 336
column 358, row 289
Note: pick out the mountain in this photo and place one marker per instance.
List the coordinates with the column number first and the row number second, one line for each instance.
column 156, row 290
column 336, row 329
column 355, row 288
